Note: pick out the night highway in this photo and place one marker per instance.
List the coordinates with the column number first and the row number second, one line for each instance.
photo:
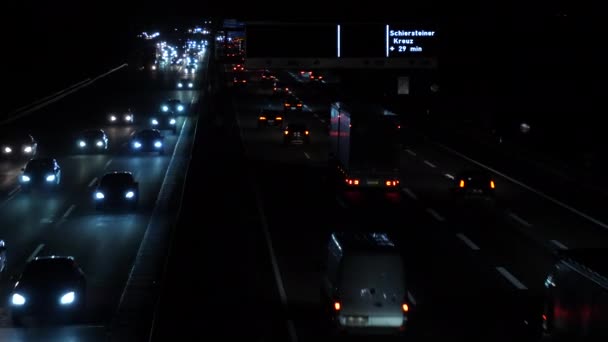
column 292, row 198
column 64, row 221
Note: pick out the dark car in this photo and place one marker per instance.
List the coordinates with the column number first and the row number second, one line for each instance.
column 292, row 103
column 474, row 185
column 92, row 140
column 173, row 106
column 18, row 145
column 164, row 121
column 268, row 75
column 296, row 133
column 49, row 287
column 269, row 117
column 116, row 189
column 121, row 118
column 42, row 173
column 279, row 88
column 148, row 140
column 315, row 76
column 185, row 84
column 238, row 68
column 239, row 80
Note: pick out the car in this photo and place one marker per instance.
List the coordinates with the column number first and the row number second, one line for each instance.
column 279, row 88
column 296, row 133
column 173, row 106
column 125, row 118
column 185, row 83
column 117, row 188
column 164, row 122
column 270, row 117
column 315, row 77
column 239, row 80
column 474, row 184
column 92, row 140
column 238, row 68
column 18, row 145
column 292, row 103
column 364, row 288
column 42, row 173
column 268, row 75
column 49, row 287
column 148, row 140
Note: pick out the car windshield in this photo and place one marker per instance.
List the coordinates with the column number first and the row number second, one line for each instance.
column 116, row 179
column 297, row 127
column 38, row 164
column 91, row 134
column 476, row 178
column 148, row 134
column 174, row 102
column 48, row 270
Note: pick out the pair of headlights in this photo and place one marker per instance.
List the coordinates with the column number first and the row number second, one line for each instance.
column 49, row 178
column 128, row 195
column 66, row 299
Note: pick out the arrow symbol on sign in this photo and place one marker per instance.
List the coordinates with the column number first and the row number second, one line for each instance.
column 392, row 48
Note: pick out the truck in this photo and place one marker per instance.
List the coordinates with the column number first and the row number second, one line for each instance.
column 365, row 147
column 576, row 296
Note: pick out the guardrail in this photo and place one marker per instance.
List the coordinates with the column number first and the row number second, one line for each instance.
column 30, row 108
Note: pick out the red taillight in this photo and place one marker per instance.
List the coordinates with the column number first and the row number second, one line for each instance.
column 391, row 182
column 461, row 183
column 352, row 181
column 544, row 317
column 279, row 118
column 262, row 118
column 398, row 126
column 306, row 132
column 337, row 306
column 320, row 77
column 299, row 105
column 405, row 307
column 287, row 105
column 492, row 185
column 286, row 132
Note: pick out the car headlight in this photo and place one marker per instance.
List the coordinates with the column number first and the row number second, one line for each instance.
column 158, row 144
column 50, row 178
column 25, row 178
column 165, row 108
column 179, row 85
column 27, row 149
column 180, row 108
column 99, row 143
column 128, row 117
column 190, row 85
column 8, row 149
column 172, row 122
column 17, row 299
column 67, row 298
column 129, row 194
column 99, row 195
column 81, row 143
column 137, row 144
column 154, row 122
column 112, row 118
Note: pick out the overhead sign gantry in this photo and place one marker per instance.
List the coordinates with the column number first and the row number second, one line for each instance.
column 350, row 45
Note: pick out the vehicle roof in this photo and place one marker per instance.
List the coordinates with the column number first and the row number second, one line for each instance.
column 272, row 111
column 364, row 241
column 55, row 258
column 91, row 131
column 173, row 100
column 474, row 174
column 41, row 161
column 297, row 125
column 118, row 174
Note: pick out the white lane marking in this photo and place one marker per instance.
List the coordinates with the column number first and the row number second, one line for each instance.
column 430, row 164
column 14, row 191
column 107, row 163
column 450, row 176
column 468, row 241
column 69, row 211
column 341, row 202
column 273, row 259
column 410, row 193
column 527, row 187
column 7, row 200
column 410, row 152
column 559, row 244
column 511, row 278
column 411, row 298
column 307, row 156
column 435, row 215
column 35, row 252
column 46, row 220
column 92, row 182
column 520, row 220
column 322, row 120
column 316, row 115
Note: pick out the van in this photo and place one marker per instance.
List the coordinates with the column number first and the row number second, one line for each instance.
column 363, row 285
